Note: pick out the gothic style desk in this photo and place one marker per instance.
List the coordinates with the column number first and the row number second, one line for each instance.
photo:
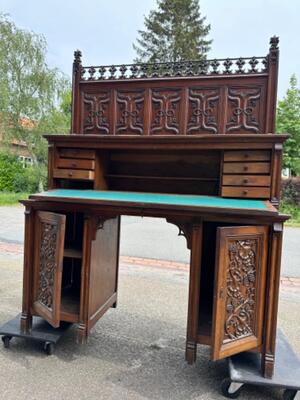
column 190, row 142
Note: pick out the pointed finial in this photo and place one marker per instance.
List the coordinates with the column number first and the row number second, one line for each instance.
column 274, row 43
column 77, row 57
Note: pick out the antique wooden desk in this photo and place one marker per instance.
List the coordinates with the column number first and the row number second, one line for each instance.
column 190, row 142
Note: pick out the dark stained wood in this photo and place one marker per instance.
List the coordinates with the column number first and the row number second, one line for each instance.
column 75, row 163
column 247, row 155
column 241, row 256
column 199, row 128
column 246, row 167
column 246, row 192
column 73, row 174
column 48, row 259
column 246, row 180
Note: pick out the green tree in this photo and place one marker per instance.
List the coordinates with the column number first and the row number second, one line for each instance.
column 30, row 91
column 174, row 32
column 288, row 121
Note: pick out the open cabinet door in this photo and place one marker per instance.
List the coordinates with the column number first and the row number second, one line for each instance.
column 49, row 237
column 240, row 274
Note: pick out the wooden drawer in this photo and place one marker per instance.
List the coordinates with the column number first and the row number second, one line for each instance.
column 77, row 153
column 247, row 192
column 245, row 167
column 73, row 174
column 246, row 180
column 75, row 163
column 244, row 155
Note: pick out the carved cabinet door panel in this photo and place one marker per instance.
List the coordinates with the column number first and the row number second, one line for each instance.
column 240, row 276
column 49, row 234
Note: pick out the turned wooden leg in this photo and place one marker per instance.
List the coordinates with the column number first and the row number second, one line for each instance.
column 272, row 294
column 191, row 352
column 25, row 322
column 267, row 365
column 82, row 334
column 26, row 317
column 194, row 287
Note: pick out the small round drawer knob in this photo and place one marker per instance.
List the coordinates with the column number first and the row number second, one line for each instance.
column 70, row 173
column 245, row 180
column 245, row 192
column 246, row 155
column 73, row 164
column 245, row 168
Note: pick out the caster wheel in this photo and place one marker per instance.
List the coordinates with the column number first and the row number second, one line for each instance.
column 289, row 394
column 230, row 389
column 6, row 340
column 49, row 348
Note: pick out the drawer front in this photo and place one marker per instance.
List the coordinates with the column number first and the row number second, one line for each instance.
column 75, row 163
column 73, row 174
column 77, row 153
column 245, row 167
column 246, row 192
column 246, row 180
column 244, row 155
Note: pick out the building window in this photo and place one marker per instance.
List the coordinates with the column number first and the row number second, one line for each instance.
column 26, row 161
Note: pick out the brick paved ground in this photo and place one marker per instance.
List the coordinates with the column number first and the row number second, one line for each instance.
column 17, row 249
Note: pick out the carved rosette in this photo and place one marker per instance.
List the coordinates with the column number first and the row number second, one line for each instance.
column 165, row 111
column 203, row 110
column 244, row 110
column 96, row 113
column 241, row 289
column 130, row 112
column 47, row 263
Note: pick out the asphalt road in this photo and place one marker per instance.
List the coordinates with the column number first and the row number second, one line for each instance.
column 152, row 238
column 135, row 352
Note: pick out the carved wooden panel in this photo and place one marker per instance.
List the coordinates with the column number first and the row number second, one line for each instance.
column 165, row 116
column 49, row 243
column 96, row 109
column 243, row 110
column 203, row 109
column 130, row 112
column 240, row 267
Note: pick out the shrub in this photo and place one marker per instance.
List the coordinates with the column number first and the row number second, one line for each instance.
column 290, row 191
column 9, row 167
column 30, row 179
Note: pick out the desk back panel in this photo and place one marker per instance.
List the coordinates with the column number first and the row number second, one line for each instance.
column 224, row 96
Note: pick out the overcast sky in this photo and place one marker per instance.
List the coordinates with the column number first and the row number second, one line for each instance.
column 104, row 30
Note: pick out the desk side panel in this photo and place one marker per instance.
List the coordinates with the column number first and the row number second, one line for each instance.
column 103, row 268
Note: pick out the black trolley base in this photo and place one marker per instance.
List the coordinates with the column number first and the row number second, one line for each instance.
column 245, row 368
column 41, row 332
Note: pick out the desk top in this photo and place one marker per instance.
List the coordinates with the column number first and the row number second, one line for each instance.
column 141, row 198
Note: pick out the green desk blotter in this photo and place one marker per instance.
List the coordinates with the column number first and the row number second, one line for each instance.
column 156, row 198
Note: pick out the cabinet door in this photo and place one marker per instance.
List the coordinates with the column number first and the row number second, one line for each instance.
column 240, row 274
column 49, row 237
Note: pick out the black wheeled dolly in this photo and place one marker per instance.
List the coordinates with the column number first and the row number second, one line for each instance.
column 41, row 332
column 245, row 368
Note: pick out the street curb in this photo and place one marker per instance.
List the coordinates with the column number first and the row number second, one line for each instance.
column 15, row 249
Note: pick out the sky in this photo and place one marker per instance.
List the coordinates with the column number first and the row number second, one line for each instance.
column 104, row 30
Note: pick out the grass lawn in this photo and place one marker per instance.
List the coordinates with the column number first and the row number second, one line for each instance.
column 12, row 199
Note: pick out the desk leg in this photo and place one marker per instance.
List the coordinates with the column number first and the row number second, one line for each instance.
column 26, row 317
column 271, row 309
column 194, row 287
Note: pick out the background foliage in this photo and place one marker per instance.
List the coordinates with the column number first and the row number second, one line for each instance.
column 174, row 32
column 288, row 121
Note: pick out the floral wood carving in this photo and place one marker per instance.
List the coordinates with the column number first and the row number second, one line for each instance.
column 243, row 110
column 130, row 112
column 165, row 111
column 48, row 263
column 241, row 289
column 203, row 110
column 96, row 113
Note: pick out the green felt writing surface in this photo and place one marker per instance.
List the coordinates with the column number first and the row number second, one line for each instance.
column 157, row 198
